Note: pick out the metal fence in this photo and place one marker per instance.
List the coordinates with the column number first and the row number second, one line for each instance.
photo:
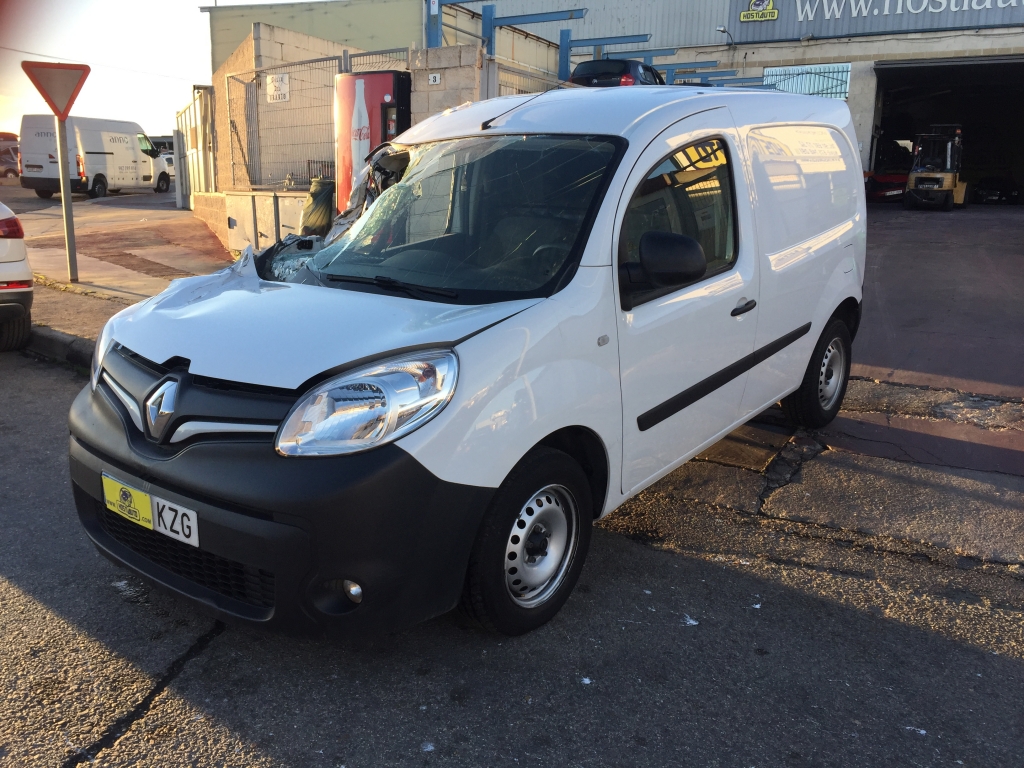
column 281, row 124
column 513, row 81
column 193, row 147
column 829, row 80
column 374, row 61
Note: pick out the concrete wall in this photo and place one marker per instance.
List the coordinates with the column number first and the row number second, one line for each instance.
column 240, row 60
column 459, row 68
column 861, row 52
column 368, row 25
column 276, row 45
column 211, row 208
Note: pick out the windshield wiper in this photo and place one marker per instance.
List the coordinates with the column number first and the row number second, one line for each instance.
column 390, row 284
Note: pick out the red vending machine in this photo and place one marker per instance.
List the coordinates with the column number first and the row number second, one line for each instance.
column 369, row 109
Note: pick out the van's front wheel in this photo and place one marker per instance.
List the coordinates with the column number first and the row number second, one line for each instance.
column 45, row 194
column 163, row 183
column 531, row 545
column 821, row 393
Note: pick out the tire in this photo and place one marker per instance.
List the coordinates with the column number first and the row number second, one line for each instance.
column 947, row 203
column 10, row 173
column 546, row 493
column 163, row 183
column 45, row 194
column 14, row 334
column 822, row 391
column 99, row 187
column 909, row 201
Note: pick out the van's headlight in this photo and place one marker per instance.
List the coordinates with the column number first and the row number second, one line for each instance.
column 370, row 406
column 102, row 345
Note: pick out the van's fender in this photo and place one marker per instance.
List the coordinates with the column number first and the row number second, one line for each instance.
column 551, row 366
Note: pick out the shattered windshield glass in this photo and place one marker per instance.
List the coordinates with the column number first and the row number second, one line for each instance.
column 477, row 220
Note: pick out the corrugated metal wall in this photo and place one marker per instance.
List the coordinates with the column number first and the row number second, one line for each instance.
column 671, row 23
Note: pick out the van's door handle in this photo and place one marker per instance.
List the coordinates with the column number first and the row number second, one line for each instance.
column 742, row 308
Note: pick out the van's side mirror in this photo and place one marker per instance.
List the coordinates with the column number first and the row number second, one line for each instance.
column 670, row 259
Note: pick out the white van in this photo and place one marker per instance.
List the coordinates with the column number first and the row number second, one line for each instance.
column 555, row 301
column 103, row 156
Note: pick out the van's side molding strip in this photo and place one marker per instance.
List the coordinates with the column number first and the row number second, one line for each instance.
column 688, row 397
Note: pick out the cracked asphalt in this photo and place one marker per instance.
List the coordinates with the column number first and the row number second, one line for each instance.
column 777, row 602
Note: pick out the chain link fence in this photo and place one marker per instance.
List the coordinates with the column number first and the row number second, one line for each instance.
column 281, row 119
column 513, row 81
column 281, row 124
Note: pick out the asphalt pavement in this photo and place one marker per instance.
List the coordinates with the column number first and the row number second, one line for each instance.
column 702, row 633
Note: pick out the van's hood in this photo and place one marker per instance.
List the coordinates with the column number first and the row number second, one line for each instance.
column 236, row 327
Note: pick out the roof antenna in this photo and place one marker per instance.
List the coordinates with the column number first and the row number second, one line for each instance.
column 487, row 123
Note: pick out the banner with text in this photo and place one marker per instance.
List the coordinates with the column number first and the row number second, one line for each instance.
column 770, row 20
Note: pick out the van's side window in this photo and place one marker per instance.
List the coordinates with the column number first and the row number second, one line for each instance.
column 688, row 193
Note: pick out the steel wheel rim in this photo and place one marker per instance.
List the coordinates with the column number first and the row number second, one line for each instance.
column 541, row 545
column 831, row 373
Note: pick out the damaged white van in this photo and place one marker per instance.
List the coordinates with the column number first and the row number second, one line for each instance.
column 548, row 303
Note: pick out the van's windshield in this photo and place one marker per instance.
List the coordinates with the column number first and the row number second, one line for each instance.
column 478, row 220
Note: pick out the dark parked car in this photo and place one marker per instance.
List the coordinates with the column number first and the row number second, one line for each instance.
column 996, row 189
column 604, row 72
column 9, row 162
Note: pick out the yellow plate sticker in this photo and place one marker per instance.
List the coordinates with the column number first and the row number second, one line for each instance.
column 128, row 502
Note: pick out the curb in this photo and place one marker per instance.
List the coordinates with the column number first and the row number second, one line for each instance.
column 58, row 285
column 61, row 347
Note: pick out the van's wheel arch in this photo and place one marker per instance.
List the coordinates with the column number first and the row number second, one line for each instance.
column 99, row 186
column 163, row 183
column 531, row 545
column 823, row 388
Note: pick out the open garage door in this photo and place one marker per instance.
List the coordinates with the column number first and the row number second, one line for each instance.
column 985, row 95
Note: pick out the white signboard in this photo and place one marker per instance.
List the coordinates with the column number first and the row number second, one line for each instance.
column 277, row 88
column 434, row 7
column 433, row 78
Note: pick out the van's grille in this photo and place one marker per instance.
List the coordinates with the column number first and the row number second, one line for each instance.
column 245, row 583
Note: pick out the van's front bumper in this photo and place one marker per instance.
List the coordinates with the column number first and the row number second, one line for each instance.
column 51, row 184
column 279, row 535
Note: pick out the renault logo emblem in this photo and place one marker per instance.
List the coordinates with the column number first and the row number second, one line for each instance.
column 160, row 407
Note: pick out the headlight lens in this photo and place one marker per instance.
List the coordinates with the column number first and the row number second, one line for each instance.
column 102, row 345
column 370, row 406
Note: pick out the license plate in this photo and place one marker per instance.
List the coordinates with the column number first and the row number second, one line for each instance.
column 150, row 511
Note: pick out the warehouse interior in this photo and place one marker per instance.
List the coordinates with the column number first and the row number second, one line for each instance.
column 984, row 95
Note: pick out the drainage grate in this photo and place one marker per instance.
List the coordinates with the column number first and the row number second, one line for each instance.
column 245, row 583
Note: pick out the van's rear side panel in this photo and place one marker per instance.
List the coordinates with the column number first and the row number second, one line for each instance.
column 39, row 166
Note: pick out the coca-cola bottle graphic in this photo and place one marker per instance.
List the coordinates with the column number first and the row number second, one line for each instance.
column 360, row 132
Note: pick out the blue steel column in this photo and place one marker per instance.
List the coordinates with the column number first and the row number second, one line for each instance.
column 564, row 49
column 487, row 27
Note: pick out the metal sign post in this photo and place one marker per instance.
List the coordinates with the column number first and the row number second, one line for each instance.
column 59, row 85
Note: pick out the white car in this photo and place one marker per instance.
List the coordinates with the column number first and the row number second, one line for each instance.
column 168, row 158
column 555, row 301
column 15, row 283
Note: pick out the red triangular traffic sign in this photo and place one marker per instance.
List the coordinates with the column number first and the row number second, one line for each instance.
column 59, row 84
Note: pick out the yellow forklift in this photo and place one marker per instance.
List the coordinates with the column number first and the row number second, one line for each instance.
column 934, row 178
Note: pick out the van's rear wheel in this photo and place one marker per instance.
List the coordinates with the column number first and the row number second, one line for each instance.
column 163, row 183
column 99, row 187
column 46, row 194
column 822, row 391
column 531, row 545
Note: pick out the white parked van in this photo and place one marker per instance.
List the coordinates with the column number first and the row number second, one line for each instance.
column 549, row 303
column 103, row 156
